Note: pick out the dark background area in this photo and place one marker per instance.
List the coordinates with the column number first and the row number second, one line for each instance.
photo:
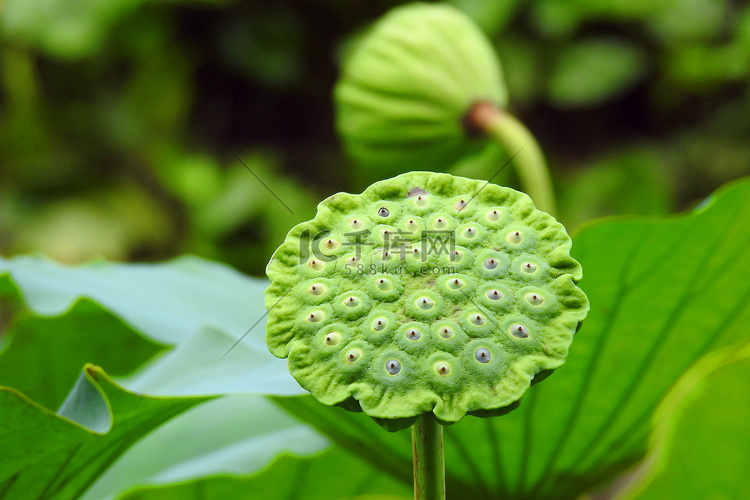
column 119, row 124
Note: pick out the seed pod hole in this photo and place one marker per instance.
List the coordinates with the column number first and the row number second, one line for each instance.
column 519, row 331
column 352, row 301
column 460, row 205
column 333, row 338
column 528, row 267
column 317, row 289
column 384, row 212
column 392, row 366
column 514, row 237
column 494, row 294
column 469, row 232
column 315, row 316
column 477, row 319
column 446, row 332
column 483, row 355
column 356, row 224
column 442, row 368
column 384, row 284
column 440, row 223
column 490, row 264
column 379, row 324
column 316, row 265
column 455, row 284
column 534, row 299
column 492, row 215
column 353, row 355
column 425, row 303
column 413, row 334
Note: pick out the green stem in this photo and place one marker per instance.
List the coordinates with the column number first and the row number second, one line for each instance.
column 429, row 459
column 516, row 139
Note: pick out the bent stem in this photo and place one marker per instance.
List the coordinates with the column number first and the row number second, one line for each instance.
column 486, row 118
column 429, row 458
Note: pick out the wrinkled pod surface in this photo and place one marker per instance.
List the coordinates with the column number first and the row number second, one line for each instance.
column 426, row 293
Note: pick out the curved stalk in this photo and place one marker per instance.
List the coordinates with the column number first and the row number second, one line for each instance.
column 488, row 119
column 429, row 458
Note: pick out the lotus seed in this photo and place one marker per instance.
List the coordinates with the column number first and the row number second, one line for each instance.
column 494, row 294
column 352, row 302
column 331, row 244
column 534, row 299
column 528, row 267
column 460, row 205
column 317, row 265
column 413, row 334
column 379, row 324
column 455, row 284
column 493, row 215
column 477, row 319
column 383, row 212
column 490, row 264
column 315, row 316
column 384, row 284
column 353, row 355
column 483, row 355
column 318, row 289
column 421, row 201
column 442, row 368
column 440, row 223
column 514, row 237
column 392, row 366
column 356, row 224
column 425, row 303
column 469, row 232
column 412, row 226
column 332, row 338
column 519, row 331
column 446, row 332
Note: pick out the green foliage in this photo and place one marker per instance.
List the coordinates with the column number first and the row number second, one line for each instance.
column 46, row 454
column 594, row 70
column 119, row 126
column 706, row 411
column 332, row 474
column 197, row 306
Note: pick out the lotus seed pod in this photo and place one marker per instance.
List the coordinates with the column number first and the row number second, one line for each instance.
column 461, row 327
column 407, row 86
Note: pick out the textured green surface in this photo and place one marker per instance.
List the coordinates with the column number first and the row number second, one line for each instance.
column 47, row 455
column 405, row 328
column 701, row 433
column 69, row 325
column 664, row 292
column 406, row 87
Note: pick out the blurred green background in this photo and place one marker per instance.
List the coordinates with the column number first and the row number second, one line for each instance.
column 120, row 119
